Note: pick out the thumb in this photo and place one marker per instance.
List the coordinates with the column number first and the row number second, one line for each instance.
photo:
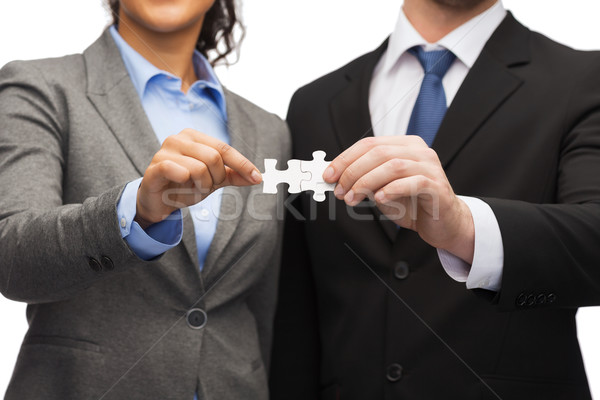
column 233, row 178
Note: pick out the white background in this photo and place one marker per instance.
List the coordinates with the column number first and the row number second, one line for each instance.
column 288, row 44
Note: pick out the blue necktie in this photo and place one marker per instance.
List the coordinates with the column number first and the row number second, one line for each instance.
column 429, row 110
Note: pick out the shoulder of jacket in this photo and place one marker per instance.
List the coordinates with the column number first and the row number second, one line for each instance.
column 66, row 70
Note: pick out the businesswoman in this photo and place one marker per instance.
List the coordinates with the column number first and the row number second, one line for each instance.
column 130, row 217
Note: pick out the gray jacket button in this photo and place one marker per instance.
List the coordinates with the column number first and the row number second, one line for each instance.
column 94, row 264
column 107, row 263
column 196, row 318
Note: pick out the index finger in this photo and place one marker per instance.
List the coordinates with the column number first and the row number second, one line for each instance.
column 350, row 155
column 231, row 157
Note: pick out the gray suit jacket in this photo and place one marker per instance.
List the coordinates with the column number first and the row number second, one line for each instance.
column 72, row 134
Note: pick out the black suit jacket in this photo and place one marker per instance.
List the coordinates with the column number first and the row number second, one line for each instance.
column 366, row 310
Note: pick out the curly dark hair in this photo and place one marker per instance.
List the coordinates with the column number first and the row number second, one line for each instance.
column 217, row 35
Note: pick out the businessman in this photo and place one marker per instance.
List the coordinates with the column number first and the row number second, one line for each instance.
column 464, row 234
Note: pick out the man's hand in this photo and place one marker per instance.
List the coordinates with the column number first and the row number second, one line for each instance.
column 188, row 167
column 406, row 180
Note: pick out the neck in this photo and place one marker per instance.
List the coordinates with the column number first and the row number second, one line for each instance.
column 169, row 51
column 434, row 20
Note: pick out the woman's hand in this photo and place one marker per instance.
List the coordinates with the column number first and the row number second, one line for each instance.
column 406, row 180
column 188, row 167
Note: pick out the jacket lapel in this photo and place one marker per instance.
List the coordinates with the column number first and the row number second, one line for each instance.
column 243, row 137
column 189, row 238
column 112, row 93
column 352, row 118
column 350, row 108
column 489, row 83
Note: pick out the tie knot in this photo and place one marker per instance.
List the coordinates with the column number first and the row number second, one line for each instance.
column 434, row 62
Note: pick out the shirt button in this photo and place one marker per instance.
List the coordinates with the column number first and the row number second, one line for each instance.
column 204, row 212
column 196, row 318
column 394, row 373
column 123, row 222
column 202, row 85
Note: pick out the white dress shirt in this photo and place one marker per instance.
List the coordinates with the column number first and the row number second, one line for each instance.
column 394, row 89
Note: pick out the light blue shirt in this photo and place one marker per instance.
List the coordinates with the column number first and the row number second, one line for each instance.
column 170, row 111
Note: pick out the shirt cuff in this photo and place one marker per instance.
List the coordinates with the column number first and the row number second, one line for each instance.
column 157, row 238
column 488, row 258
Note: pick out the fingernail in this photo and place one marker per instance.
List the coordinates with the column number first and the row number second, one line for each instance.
column 338, row 191
column 256, row 176
column 379, row 197
column 349, row 197
column 328, row 174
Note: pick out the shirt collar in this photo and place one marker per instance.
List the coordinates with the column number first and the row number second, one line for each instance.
column 141, row 71
column 466, row 41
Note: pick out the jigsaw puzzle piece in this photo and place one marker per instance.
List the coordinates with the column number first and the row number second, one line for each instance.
column 316, row 167
column 293, row 176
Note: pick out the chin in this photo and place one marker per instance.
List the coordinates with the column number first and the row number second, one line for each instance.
column 168, row 24
column 166, row 16
column 461, row 4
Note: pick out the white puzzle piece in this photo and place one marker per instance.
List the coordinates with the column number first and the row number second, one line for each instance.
column 316, row 167
column 300, row 176
column 292, row 176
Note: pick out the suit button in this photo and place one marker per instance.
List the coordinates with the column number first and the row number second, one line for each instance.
column 94, row 264
column 530, row 300
column 107, row 263
column 196, row 318
column 521, row 299
column 540, row 299
column 401, row 270
column 394, row 373
column 551, row 298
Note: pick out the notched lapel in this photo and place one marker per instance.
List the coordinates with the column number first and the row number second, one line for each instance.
column 350, row 113
column 112, row 93
column 350, row 108
column 243, row 136
column 487, row 86
column 189, row 237
column 352, row 118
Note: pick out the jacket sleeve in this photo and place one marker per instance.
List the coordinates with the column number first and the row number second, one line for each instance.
column 552, row 251
column 49, row 250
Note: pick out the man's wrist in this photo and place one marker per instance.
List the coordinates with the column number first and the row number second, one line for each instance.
column 463, row 242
